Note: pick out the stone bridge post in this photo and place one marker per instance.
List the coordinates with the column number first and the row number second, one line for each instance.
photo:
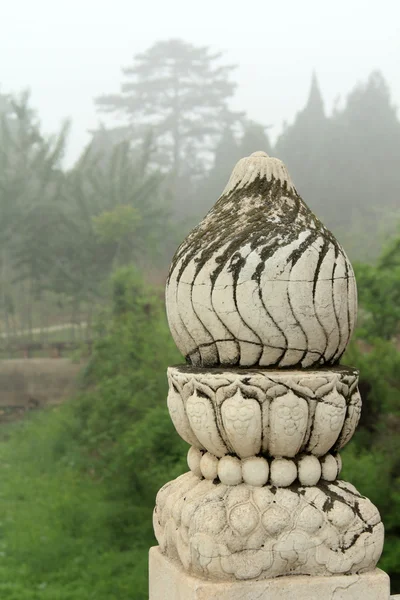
column 262, row 302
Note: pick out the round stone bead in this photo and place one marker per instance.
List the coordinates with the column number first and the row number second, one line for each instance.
column 283, row 472
column 329, row 468
column 309, row 470
column 230, row 470
column 209, row 466
column 193, row 460
column 255, row 471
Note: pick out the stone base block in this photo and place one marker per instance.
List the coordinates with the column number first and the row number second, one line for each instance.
column 168, row 581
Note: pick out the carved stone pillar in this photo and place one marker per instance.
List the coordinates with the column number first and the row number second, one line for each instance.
column 262, row 302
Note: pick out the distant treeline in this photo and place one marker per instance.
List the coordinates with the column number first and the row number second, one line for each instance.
column 138, row 188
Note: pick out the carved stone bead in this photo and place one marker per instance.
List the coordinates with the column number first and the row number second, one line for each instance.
column 329, row 467
column 261, row 281
column 255, row 471
column 209, row 466
column 230, row 470
column 193, row 460
column 283, row 472
column 309, row 470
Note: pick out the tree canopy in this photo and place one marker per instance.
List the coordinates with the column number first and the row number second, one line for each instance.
column 180, row 93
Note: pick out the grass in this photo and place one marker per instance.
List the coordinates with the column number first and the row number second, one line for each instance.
column 56, row 542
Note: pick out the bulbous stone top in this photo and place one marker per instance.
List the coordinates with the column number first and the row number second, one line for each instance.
column 260, row 281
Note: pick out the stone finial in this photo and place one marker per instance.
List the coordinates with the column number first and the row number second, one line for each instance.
column 261, row 282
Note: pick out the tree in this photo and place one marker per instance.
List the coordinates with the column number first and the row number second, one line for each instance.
column 226, row 154
column 254, row 138
column 345, row 165
column 379, row 293
column 114, row 214
column 301, row 138
column 180, row 92
column 303, row 146
column 30, row 181
column 365, row 159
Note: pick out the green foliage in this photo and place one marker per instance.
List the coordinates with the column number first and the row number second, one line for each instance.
column 62, row 233
column 380, row 297
column 115, row 214
column 123, row 421
column 30, row 181
column 58, row 536
column 79, row 481
column 116, row 224
column 379, row 287
column 372, row 459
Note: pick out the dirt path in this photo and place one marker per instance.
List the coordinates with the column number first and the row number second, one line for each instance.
column 39, row 330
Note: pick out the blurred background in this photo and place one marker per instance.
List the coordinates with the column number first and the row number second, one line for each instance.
column 120, row 124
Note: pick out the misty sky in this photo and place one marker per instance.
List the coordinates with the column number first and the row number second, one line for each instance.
column 69, row 52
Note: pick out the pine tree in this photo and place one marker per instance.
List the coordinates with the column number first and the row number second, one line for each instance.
column 346, row 166
column 303, row 147
column 301, row 143
column 364, row 152
column 180, row 92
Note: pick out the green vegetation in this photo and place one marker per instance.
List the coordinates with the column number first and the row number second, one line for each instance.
column 78, row 482
column 138, row 188
column 58, row 540
column 372, row 460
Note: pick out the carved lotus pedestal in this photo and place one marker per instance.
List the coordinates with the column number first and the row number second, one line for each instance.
column 261, row 300
column 263, row 499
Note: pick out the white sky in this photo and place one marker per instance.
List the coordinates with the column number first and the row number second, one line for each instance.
column 69, row 52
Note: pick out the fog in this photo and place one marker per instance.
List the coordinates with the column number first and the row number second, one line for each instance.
column 68, row 53
column 163, row 100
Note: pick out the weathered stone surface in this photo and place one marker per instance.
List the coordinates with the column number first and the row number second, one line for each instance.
column 280, row 413
column 239, row 531
column 261, row 281
column 259, row 286
column 168, row 581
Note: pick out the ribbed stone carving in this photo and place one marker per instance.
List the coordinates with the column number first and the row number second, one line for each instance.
column 261, row 281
